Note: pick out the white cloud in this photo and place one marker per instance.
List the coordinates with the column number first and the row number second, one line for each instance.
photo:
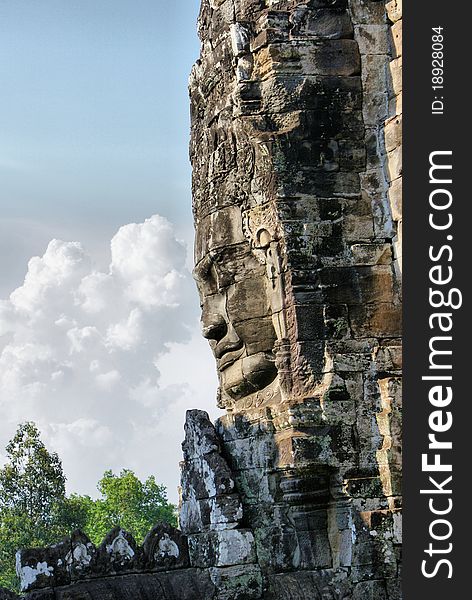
column 82, row 353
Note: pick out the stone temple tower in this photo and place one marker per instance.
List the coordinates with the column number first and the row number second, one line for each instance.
column 295, row 150
column 295, row 493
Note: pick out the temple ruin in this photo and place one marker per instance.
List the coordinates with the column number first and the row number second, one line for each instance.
column 295, row 493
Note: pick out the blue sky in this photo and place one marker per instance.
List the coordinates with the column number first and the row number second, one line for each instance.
column 93, row 120
column 94, row 128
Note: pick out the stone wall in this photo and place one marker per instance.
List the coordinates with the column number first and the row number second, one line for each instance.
column 296, row 168
column 295, row 493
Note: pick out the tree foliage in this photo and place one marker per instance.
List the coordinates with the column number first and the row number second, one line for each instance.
column 32, row 481
column 35, row 511
column 32, row 487
column 128, row 502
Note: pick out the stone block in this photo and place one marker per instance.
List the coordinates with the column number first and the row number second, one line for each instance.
column 315, row 549
column 374, row 73
column 393, row 133
column 394, row 10
column 351, row 155
column 340, row 413
column 39, row 568
column 222, row 548
column 206, row 477
column 332, row 57
column 240, row 36
column 221, row 512
column 358, row 228
column 273, row 19
column 396, row 39
column 394, row 163
column 367, row 11
column 200, row 435
column 118, row 553
column 376, row 107
column 322, row 24
column 249, row 453
column 396, row 71
column 395, row 198
column 82, row 556
column 389, row 357
column 372, row 39
column 277, row 548
column 364, row 487
column 379, row 320
column 165, row 548
column 237, row 582
column 237, row 426
column 358, row 285
column 371, row 254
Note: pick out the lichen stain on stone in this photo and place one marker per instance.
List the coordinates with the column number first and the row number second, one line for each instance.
column 120, row 549
column 296, row 189
column 28, row 575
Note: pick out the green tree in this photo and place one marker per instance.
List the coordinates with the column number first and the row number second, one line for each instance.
column 32, row 487
column 129, row 503
column 32, row 480
column 34, row 510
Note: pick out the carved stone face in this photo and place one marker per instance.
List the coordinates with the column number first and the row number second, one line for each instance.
column 236, row 313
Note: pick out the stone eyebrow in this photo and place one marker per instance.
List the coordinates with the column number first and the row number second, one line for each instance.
column 203, row 267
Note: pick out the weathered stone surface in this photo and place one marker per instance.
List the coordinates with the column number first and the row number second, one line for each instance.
column 209, row 501
column 7, row 595
column 237, row 583
column 222, row 512
column 43, row 567
column 394, row 10
column 295, row 493
column 207, row 477
column 313, row 585
column 222, row 548
column 165, row 548
column 310, row 173
column 117, row 553
column 200, row 435
column 81, row 558
column 185, row 584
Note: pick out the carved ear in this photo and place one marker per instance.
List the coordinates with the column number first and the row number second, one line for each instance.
column 276, row 293
column 263, row 238
column 260, row 228
column 266, row 242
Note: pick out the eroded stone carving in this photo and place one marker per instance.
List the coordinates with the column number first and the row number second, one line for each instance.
column 296, row 491
column 295, row 241
column 236, row 309
column 165, row 548
column 118, row 552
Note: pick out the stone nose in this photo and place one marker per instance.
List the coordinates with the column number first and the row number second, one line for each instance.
column 214, row 326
